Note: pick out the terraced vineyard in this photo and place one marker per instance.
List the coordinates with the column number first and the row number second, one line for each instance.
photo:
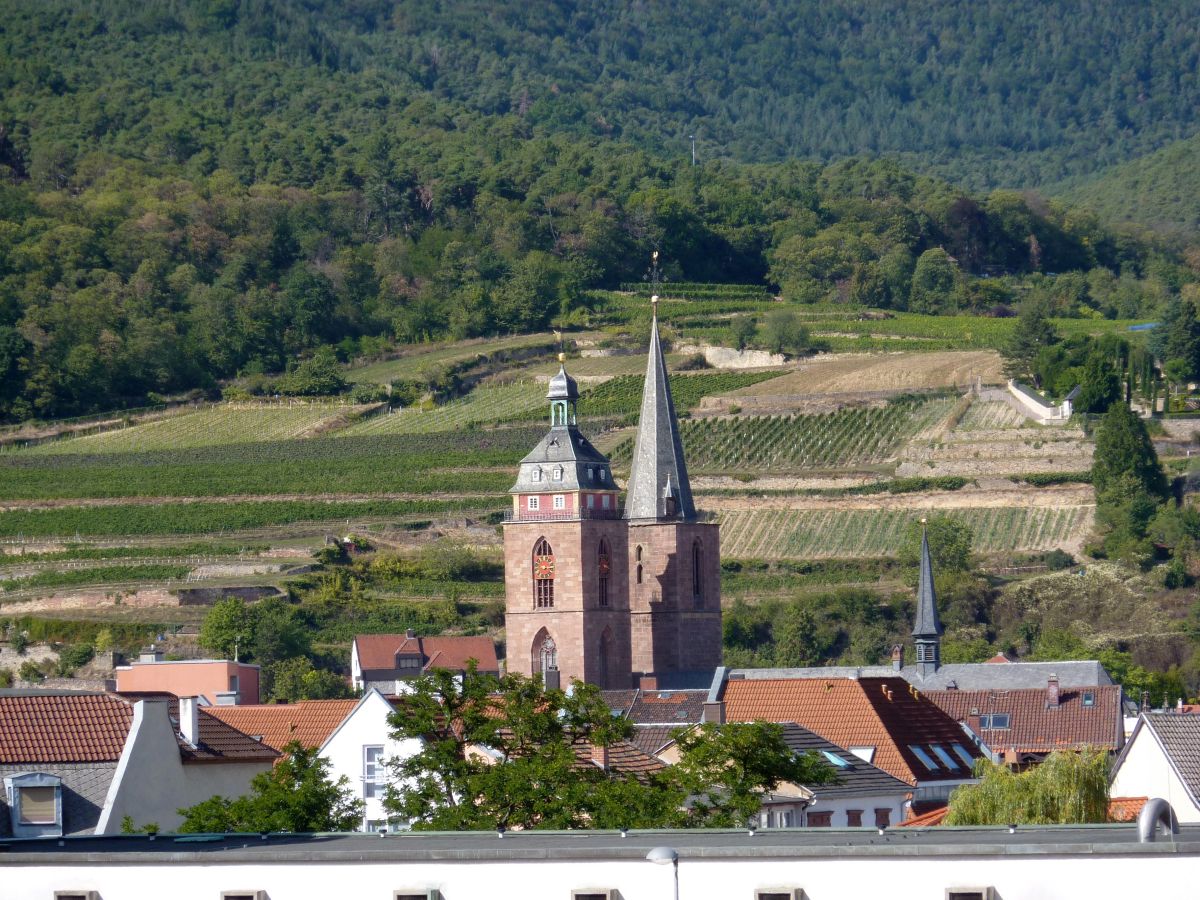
column 423, row 359
column 623, row 396
column 222, row 424
column 505, row 403
column 991, row 415
column 824, row 533
column 848, row 437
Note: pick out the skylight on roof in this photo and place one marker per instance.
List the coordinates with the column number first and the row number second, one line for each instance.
column 835, row 759
column 963, row 755
column 925, row 758
column 946, row 758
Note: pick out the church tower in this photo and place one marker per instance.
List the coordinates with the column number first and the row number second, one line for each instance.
column 674, row 562
column 565, row 552
column 927, row 630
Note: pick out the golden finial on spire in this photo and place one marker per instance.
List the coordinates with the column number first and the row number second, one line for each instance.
column 562, row 357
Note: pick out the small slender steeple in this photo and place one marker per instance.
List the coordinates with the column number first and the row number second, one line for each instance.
column 927, row 631
column 658, row 480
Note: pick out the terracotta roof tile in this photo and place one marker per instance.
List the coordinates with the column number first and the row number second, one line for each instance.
column 1125, row 809
column 219, row 741
column 1032, row 726
column 933, row 817
column 63, row 728
column 377, row 652
column 310, row 722
column 667, row 707
column 623, row 757
column 885, row 713
column 652, row 738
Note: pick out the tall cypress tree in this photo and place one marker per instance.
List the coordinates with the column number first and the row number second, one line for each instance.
column 1124, row 448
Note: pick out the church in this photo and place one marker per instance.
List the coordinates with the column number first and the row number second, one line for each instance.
column 619, row 597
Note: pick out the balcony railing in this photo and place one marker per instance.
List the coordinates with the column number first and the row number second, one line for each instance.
column 560, row 515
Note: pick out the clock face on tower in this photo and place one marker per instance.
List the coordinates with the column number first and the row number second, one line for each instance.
column 543, row 567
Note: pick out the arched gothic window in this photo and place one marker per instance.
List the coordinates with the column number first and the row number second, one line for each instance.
column 637, row 554
column 603, row 564
column 543, row 575
column 697, row 574
column 545, row 653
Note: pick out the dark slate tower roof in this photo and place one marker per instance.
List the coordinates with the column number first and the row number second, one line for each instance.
column 928, row 625
column 658, row 477
column 563, row 460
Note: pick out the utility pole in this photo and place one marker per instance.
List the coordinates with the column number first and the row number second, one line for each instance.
column 693, row 139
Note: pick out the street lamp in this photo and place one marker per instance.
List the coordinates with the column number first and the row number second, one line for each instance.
column 663, row 855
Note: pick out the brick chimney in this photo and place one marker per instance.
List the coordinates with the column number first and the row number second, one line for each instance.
column 1145, row 701
column 714, row 712
column 1052, row 692
column 898, row 657
column 189, row 720
column 411, row 634
column 600, row 756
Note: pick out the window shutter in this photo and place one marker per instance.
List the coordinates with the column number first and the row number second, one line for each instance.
column 38, row 806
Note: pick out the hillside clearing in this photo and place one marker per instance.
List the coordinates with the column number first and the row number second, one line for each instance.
column 868, row 372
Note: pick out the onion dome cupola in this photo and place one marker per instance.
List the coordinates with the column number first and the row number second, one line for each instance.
column 564, row 476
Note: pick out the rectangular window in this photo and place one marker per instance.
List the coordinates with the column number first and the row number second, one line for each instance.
column 373, row 769
column 560, row 502
column 820, row 819
column 962, row 754
column 946, row 758
column 604, row 501
column 76, row 895
column 243, row 895
column 1089, row 698
column 593, row 895
column 37, row 806
column 995, row 720
column 591, row 474
column 780, row 894
column 854, row 818
column 925, row 758
column 883, row 818
column 980, row 893
column 591, row 501
column 835, row 760
column 431, row 894
column 535, row 502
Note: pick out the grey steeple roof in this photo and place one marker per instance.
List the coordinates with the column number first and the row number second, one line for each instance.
column 658, row 470
column 928, row 625
column 561, row 461
column 562, row 385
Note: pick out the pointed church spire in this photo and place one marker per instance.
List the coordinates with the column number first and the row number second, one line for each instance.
column 927, row 630
column 658, row 479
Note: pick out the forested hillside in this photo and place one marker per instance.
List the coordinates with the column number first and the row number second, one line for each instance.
column 191, row 191
column 995, row 92
column 1161, row 190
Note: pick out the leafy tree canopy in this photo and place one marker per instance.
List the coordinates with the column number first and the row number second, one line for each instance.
column 506, row 753
column 1069, row 788
column 295, row 795
column 1124, row 450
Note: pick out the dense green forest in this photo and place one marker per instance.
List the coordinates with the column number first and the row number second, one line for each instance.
column 191, row 191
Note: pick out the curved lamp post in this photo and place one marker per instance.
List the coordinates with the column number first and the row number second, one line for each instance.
column 663, row 855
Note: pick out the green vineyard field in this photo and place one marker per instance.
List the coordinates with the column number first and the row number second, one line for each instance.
column 824, row 533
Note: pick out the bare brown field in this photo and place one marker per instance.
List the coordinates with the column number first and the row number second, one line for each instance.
column 866, row 372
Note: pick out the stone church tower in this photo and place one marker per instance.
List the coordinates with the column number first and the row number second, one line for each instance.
column 594, row 594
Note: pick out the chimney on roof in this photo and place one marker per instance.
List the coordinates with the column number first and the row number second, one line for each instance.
column 898, row 657
column 1145, row 701
column 150, row 654
column 1052, row 692
column 189, row 720
column 600, row 756
column 714, row 712
column 648, row 682
column 411, row 634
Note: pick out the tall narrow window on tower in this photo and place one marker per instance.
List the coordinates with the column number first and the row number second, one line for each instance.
column 697, row 574
column 639, row 564
column 602, row 567
column 543, row 575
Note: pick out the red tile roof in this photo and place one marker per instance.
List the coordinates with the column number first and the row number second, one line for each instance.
column 218, row 741
column 378, row 651
column 623, row 757
column 886, row 713
column 1125, row 809
column 933, row 817
column 1034, row 727
column 1120, row 809
column 47, row 728
column 310, row 722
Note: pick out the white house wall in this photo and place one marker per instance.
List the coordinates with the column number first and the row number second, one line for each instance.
column 366, row 726
column 902, row 877
column 152, row 783
column 1146, row 772
column 894, row 803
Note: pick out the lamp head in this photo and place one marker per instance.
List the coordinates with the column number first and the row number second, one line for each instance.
column 663, row 855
